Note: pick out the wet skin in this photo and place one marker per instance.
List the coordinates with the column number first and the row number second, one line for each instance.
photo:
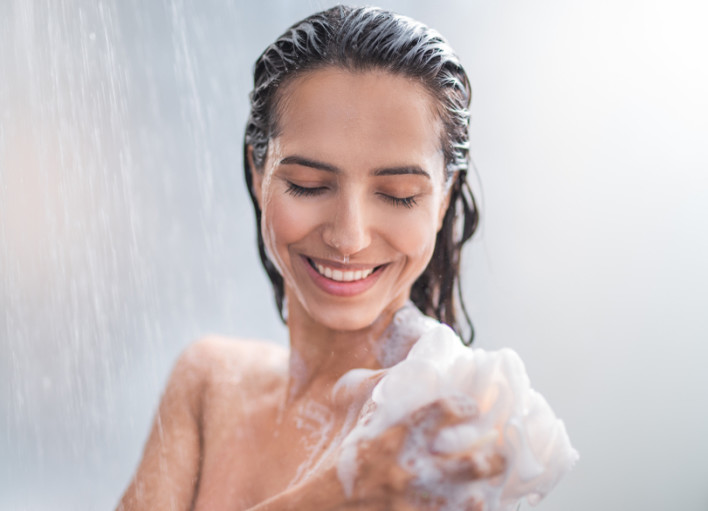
column 352, row 195
column 356, row 174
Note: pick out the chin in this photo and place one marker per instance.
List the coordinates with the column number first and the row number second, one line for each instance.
column 344, row 319
column 352, row 316
column 347, row 313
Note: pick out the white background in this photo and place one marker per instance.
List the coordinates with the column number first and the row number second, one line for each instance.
column 126, row 231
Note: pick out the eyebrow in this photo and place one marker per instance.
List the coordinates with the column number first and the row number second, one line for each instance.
column 306, row 162
column 386, row 171
column 397, row 171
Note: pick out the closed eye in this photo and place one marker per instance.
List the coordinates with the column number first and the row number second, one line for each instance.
column 406, row 202
column 303, row 191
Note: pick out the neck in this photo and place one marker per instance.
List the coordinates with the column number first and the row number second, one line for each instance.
column 319, row 355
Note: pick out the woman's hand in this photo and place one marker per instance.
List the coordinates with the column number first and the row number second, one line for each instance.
column 385, row 482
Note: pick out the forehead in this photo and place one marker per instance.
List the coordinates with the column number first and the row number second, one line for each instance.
column 380, row 117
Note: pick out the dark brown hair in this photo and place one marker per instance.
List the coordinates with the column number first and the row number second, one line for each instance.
column 366, row 38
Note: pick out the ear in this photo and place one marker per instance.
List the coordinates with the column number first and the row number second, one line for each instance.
column 256, row 177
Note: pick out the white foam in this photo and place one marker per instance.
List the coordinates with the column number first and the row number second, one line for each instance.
column 503, row 415
column 407, row 326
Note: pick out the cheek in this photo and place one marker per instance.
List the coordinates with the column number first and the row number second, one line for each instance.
column 413, row 234
column 283, row 222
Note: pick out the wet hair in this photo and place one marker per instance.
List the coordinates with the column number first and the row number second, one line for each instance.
column 362, row 39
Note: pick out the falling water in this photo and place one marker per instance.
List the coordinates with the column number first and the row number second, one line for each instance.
column 123, row 228
column 72, row 259
column 125, row 231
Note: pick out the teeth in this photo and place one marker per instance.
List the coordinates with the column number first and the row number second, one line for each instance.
column 342, row 276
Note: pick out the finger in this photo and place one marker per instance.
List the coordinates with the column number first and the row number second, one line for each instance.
column 420, row 499
column 445, row 412
column 391, row 441
column 387, row 444
column 472, row 466
column 378, row 461
column 474, row 505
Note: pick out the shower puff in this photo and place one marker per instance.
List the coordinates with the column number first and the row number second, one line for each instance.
column 502, row 415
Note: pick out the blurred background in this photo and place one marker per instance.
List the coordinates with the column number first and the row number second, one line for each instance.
column 126, row 231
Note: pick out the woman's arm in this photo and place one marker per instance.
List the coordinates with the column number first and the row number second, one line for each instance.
column 381, row 484
column 169, row 471
column 168, row 475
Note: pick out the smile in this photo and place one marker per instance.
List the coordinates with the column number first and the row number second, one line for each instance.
column 341, row 281
column 341, row 275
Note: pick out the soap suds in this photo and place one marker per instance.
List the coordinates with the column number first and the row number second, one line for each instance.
column 502, row 415
column 407, row 326
column 317, row 422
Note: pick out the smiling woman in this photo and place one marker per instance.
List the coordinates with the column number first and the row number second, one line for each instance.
column 356, row 160
column 355, row 174
column 375, row 42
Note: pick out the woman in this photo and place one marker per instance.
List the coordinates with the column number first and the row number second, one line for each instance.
column 355, row 154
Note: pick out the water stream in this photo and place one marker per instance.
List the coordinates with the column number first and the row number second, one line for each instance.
column 126, row 231
column 123, row 223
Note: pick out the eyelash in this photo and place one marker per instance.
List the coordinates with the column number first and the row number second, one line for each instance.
column 406, row 202
column 302, row 191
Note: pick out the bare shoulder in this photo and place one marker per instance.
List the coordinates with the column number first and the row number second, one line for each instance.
column 215, row 367
column 200, row 403
column 214, row 358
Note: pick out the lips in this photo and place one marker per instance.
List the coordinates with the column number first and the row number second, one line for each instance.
column 341, row 275
column 342, row 280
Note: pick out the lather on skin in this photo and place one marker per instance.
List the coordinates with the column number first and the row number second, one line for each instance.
column 355, row 156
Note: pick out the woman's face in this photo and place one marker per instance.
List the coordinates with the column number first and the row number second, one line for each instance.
column 352, row 193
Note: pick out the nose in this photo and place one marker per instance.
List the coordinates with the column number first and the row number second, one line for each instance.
column 348, row 229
